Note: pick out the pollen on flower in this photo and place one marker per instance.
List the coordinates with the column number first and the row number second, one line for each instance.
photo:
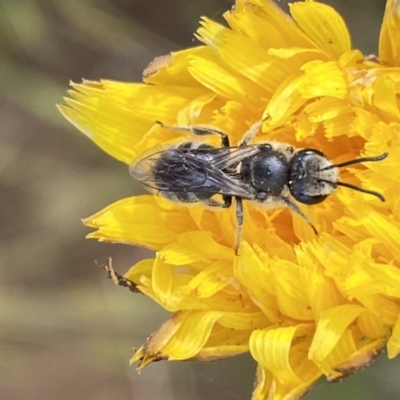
column 302, row 305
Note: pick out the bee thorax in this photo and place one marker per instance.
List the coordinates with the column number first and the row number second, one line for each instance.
column 267, row 173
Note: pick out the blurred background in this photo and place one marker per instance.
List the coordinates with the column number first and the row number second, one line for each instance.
column 66, row 331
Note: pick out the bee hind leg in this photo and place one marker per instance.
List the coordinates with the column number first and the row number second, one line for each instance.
column 227, row 202
column 239, row 219
column 199, row 130
column 239, row 215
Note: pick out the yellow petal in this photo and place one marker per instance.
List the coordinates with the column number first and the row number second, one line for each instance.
column 320, row 289
column 388, row 276
column 243, row 321
column 389, row 51
column 244, row 20
column 357, row 361
column 380, row 226
column 135, row 220
column 343, row 351
column 162, row 279
column 335, row 115
column 177, row 254
column 266, row 386
column 190, row 336
column 204, row 243
column 371, row 325
column 323, row 79
column 386, row 310
column 211, row 280
column 116, row 115
column 142, row 268
column 173, row 69
column 249, row 59
column 323, row 25
column 393, row 345
column 192, row 113
column 289, row 294
column 272, row 348
column 217, row 78
column 254, row 277
column 385, row 98
column 286, row 100
column 289, row 53
column 268, row 10
column 330, row 328
column 262, row 383
column 363, row 121
column 223, row 343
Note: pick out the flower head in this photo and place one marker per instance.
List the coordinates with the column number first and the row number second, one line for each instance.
column 303, row 306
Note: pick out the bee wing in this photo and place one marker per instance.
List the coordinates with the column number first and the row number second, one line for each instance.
column 182, row 170
column 234, row 155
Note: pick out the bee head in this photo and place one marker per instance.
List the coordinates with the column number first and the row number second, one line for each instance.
column 313, row 177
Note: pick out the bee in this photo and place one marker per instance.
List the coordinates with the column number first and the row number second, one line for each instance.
column 271, row 173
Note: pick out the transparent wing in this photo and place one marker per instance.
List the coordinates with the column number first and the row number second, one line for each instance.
column 191, row 170
column 226, row 157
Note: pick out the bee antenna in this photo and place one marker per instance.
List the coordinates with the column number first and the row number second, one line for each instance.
column 357, row 161
column 353, row 187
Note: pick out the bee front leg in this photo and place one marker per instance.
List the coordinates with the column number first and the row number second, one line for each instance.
column 295, row 208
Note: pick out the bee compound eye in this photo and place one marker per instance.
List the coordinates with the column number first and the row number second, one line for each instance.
column 309, row 199
column 265, row 147
column 307, row 153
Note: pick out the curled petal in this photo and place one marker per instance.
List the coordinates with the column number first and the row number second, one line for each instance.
column 389, row 40
column 323, row 25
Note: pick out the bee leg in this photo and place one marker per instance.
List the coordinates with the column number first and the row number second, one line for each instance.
column 294, row 208
column 239, row 219
column 214, row 203
column 239, row 214
column 252, row 131
column 199, row 130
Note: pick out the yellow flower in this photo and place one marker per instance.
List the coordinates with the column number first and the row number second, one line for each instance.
column 303, row 306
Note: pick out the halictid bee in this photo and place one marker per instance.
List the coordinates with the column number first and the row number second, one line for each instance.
column 271, row 173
